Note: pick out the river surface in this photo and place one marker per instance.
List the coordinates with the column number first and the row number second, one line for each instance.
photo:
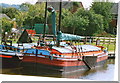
column 105, row 73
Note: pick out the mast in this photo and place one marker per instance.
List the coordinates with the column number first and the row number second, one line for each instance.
column 60, row 10
column 45, row 22
column 59, row 28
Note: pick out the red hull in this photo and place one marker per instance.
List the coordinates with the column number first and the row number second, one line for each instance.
column 60, row 65
column 9, row 61
column 64, row 58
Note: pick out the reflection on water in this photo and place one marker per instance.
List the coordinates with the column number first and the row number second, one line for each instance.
column 105, row 73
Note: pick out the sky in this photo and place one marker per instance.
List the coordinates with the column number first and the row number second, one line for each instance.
column 86, row 3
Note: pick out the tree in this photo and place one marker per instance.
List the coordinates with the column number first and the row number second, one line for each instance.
column 73, row 23
column 25, row 7
column 1, row 9
column 10, row 12
column 95, row 21
column 83, row 22
column 65, row 14
column 35, row 14
column 19, row 18
column 103, row 8
column 5, row 27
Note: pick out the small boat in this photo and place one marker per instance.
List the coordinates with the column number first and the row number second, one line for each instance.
column 10, row 56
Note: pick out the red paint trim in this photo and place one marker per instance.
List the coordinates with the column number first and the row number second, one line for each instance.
column 3, row 56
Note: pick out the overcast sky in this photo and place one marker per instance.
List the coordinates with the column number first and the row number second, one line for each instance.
column 86, row 3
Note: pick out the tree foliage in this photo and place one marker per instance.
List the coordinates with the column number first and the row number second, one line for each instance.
column 83, row 22
column 19, row 18
column 95, row 21
column 35, row 14
column 104, row 9
column 11, row 12
column 80, row 21
column 74, row 24
column 6, row 26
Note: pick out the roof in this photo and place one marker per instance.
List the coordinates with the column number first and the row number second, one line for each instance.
column 55, row 3
column 51, row 0
column 4, row 16
column 114, row 9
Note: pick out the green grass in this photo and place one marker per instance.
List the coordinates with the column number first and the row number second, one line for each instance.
column 110, row 47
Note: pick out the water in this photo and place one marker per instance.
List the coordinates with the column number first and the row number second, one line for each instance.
column 101, row 74
column 105, row 73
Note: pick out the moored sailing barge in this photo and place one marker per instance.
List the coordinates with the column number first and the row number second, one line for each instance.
column 65, row 58
column 62, row 56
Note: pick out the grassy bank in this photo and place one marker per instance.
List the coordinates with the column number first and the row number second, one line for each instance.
column 110, row 47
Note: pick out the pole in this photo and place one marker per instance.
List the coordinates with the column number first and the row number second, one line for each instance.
column 60, row 10
column 45, row 22
column 54, row 23
column 59, row 28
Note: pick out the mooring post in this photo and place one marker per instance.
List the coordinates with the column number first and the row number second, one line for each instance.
column 114, row 45
column 103, row 41
column 108, row 44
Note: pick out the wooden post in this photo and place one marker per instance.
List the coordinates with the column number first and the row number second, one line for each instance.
column 108, row 44
column 98, row 41
column 103, row 41
column 114, row 45
column 86, row 39
column 90, row 40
